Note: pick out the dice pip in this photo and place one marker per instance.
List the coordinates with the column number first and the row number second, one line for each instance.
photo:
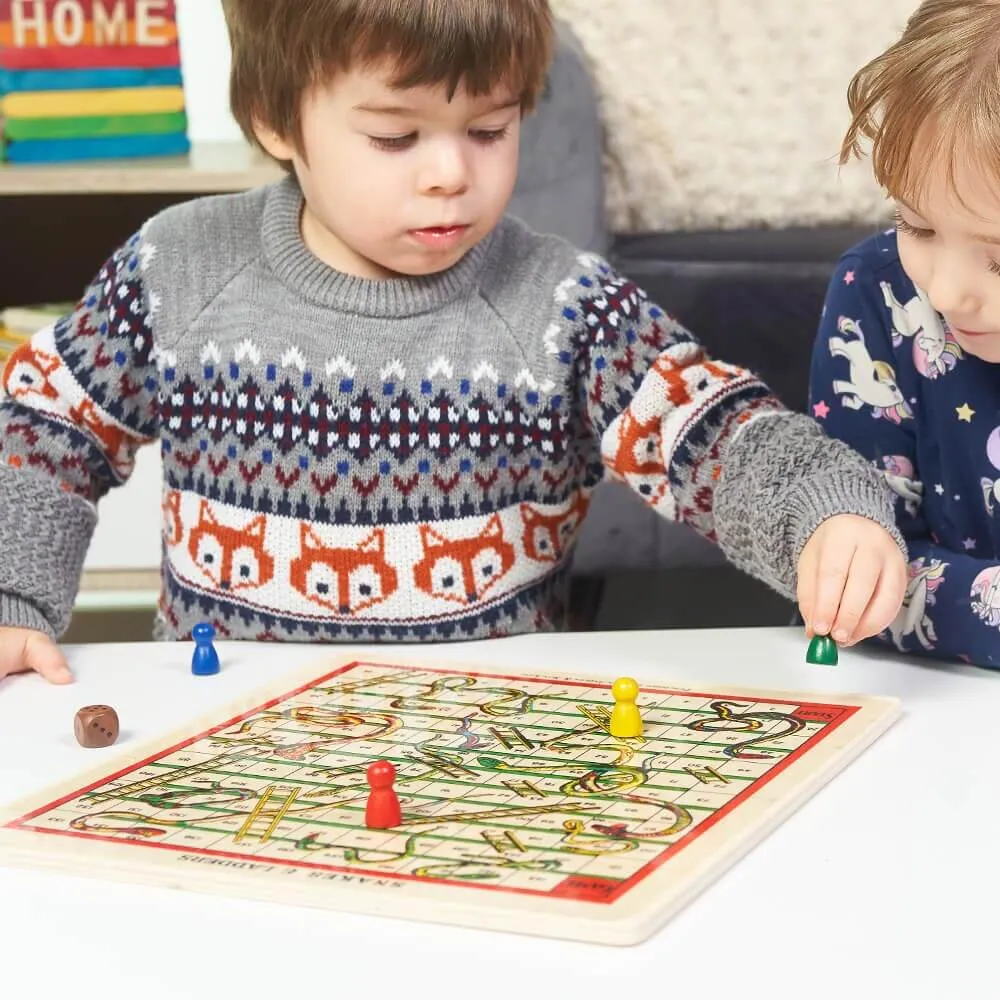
column 96, row 726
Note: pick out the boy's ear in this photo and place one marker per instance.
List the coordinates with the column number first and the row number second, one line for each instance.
column 280, row 149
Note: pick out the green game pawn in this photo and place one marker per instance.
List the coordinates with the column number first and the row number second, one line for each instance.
column 823, row 650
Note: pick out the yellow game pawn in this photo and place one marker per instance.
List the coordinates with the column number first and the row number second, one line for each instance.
column 625, row 718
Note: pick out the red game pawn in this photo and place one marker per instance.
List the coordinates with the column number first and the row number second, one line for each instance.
column 382, row 811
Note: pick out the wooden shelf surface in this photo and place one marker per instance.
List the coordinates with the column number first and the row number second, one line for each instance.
column 209, row 168
column 118, row 590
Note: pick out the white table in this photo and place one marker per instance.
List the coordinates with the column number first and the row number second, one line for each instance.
column 883, row 885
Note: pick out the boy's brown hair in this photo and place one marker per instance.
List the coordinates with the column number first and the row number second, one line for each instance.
column 935, row 93
column 281, row 48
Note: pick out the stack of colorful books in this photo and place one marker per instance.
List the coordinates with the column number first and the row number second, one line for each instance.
column 90, row 79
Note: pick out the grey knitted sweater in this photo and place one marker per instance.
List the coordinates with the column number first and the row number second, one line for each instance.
column 408, row 459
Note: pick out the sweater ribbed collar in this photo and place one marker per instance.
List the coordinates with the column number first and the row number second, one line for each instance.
column 303, row 272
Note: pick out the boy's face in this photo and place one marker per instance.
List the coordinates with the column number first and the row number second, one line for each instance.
column 950, row 248
column 401, row 182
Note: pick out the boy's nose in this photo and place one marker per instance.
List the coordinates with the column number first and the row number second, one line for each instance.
column 446, row 172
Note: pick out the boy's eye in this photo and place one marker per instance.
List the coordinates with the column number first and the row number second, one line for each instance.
column 488, row 135
column 918, row 234
column 393, row 143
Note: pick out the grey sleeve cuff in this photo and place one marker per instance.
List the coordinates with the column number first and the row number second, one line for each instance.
column 44, row 535
column 783, row 477
column 15, row 612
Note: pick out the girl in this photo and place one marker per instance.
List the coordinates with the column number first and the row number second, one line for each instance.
column 904, row 366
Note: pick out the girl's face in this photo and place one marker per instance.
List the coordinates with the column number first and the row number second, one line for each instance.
column 949, row 245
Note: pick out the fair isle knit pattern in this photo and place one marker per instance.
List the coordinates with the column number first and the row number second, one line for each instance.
column 405, row 460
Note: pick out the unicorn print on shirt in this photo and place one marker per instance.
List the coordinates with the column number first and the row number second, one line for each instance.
column 871, row 383
column 901, row 477
column 991, row 486
column 913, row 619
column 935, row 350
column 986, row 596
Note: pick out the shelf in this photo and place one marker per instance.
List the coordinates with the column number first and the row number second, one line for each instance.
column 118, row 590
column 210, row 168
column 117, row 600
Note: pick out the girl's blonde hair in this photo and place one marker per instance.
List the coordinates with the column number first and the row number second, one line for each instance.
column 931, row 98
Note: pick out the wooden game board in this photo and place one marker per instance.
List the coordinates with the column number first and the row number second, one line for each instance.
column 520, row 811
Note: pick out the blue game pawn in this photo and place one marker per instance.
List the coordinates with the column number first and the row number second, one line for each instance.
column 205, row 660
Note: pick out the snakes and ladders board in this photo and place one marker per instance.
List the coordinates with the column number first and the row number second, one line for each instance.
column 520, row 811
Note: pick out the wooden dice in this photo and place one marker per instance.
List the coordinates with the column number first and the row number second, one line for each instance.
column 96, row 726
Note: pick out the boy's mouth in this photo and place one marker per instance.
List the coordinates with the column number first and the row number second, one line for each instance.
column 439, row 237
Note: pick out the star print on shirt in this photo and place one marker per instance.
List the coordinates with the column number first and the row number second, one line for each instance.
column 849, row 278
column 969, row 543
column 965, row 412
column 820, row 410
column 939, row 489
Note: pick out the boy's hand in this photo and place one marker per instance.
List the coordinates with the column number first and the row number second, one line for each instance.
column 852, row 578
column 23, row 649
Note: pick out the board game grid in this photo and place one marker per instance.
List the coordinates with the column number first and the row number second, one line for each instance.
column 509, row 784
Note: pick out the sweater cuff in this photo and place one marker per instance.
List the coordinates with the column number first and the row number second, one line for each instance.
column 783, row 478
column 829, row 495
column 15, row 612
column 44, row 536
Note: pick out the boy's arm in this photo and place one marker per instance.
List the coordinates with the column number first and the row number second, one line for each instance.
column 950, row 607
column 77, row 401
column 705, row 442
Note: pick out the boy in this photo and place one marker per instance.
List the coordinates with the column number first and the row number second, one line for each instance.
column 904, row 364
column 382, row 406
